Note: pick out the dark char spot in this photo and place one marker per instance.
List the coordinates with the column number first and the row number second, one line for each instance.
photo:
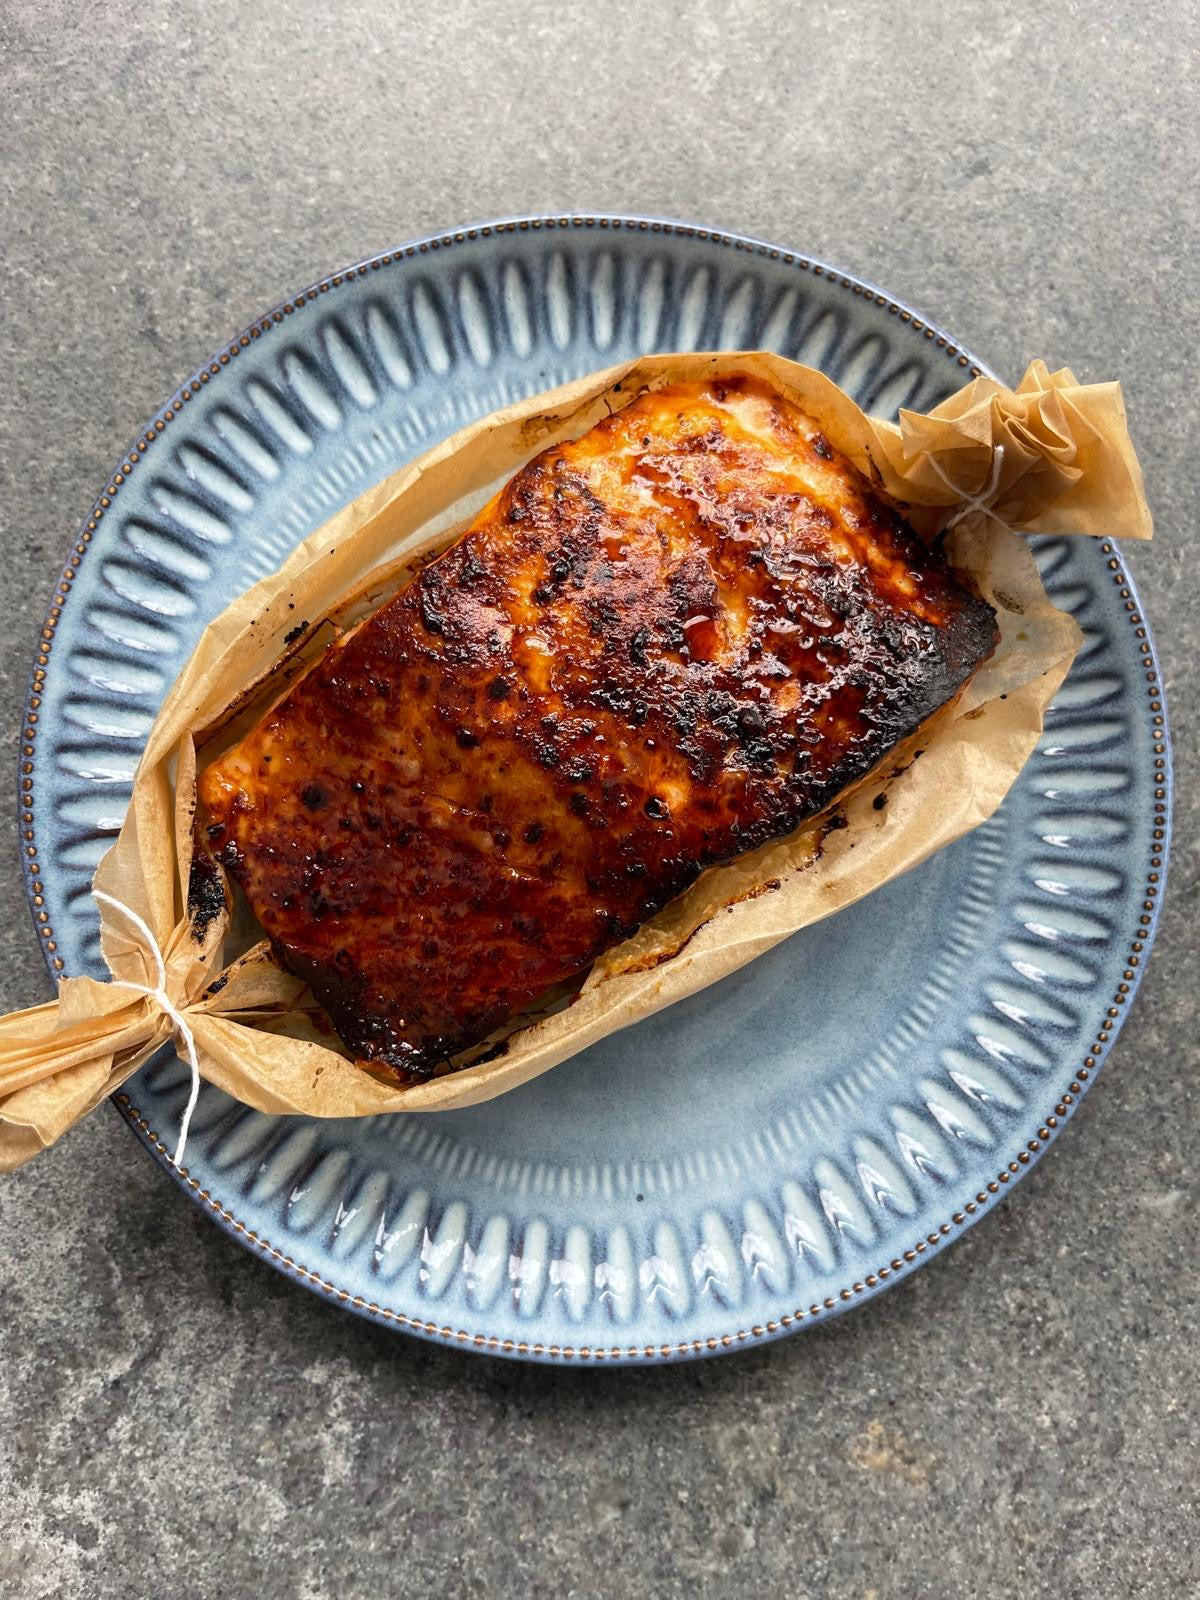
column 206, row 895
column 431, row 616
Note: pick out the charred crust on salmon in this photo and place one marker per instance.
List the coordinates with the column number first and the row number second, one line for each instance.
column 663, row 644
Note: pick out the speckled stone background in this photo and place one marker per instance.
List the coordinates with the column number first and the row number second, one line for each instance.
column 1021, row 1418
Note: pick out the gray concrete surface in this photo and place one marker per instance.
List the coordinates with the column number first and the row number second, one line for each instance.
column 1021, row 1418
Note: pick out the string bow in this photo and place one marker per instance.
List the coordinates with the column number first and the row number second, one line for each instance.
column 981, row 502
column 158, row 993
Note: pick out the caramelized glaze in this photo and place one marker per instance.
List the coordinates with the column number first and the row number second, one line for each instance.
column 663, row 644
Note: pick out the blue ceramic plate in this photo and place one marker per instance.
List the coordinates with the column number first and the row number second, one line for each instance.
column 763, row 1155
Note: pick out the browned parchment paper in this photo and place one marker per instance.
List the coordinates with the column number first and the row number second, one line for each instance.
column 1064, row 465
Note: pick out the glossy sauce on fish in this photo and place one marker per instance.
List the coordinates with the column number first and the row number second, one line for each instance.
column 663, row 644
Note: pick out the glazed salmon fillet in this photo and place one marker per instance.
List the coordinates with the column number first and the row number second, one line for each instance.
column 661, row 645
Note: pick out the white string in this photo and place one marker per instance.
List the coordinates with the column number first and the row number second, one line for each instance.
column 160, row 996
column 981, row 502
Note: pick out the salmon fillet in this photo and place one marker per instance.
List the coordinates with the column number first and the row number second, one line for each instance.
column 661, row 645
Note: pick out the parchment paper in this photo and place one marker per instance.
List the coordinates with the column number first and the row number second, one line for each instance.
column 1066, row 466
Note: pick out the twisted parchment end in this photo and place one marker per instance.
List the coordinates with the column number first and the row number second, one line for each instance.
column 1066, row 466
column 1068, row 463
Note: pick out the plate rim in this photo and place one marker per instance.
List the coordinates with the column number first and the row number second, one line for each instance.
column 905, row 1262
